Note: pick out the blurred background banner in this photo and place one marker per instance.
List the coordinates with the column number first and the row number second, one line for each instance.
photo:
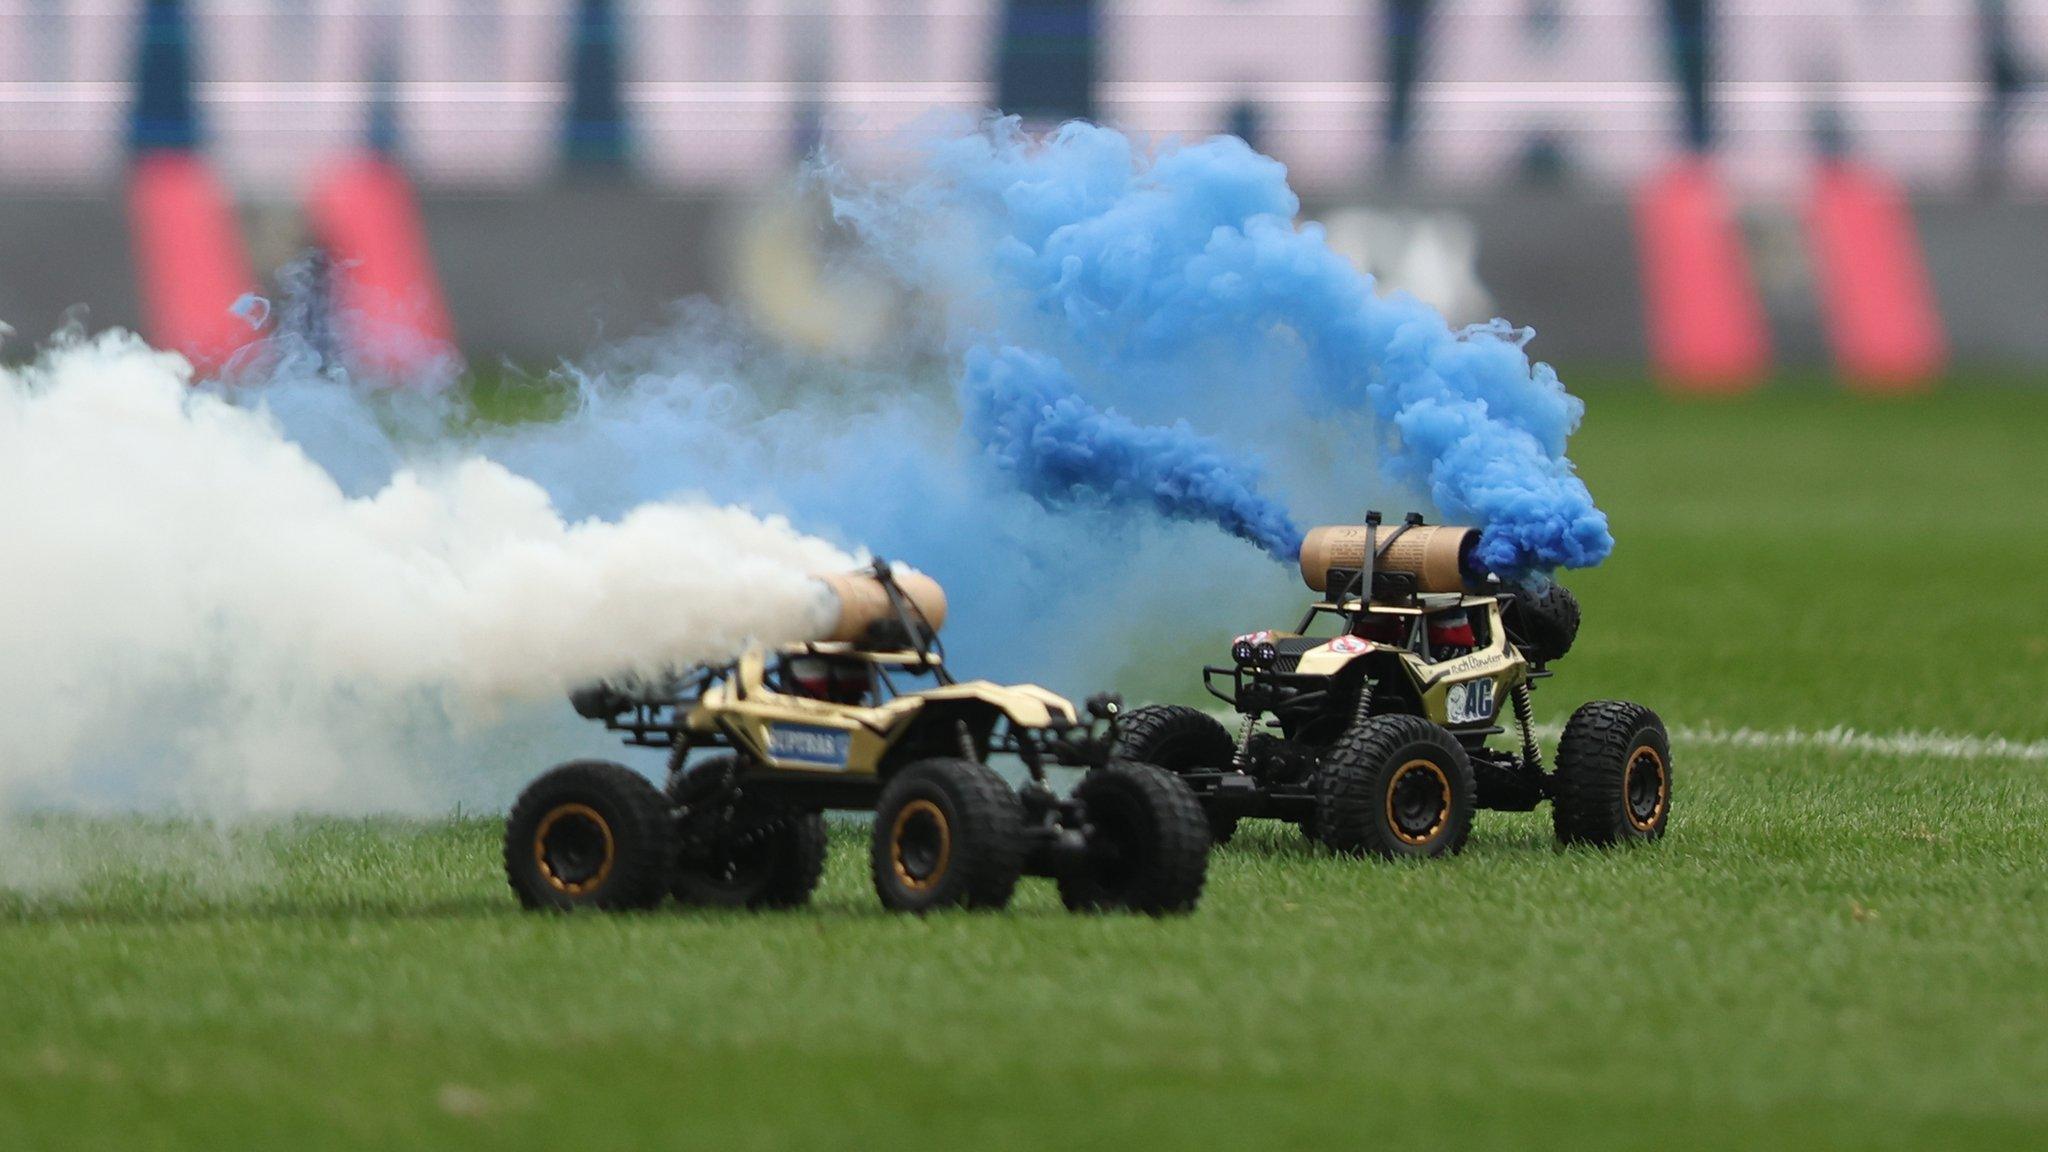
column 1710, row 190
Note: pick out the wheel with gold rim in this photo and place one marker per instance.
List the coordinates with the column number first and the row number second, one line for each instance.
column 589, row 834
column 1395, row 786
column 948, row 833
column 1613, row 777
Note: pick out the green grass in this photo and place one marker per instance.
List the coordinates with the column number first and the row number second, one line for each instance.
column 1833, row 948
column 1814, row 559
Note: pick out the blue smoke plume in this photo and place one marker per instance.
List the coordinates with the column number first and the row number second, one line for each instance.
column 1023, row 408
column 1099, row 269
column 1102, row 353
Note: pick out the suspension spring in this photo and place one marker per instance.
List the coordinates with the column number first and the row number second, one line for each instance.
column 1242, row 759
column 1364, row 710
column 1525, row 719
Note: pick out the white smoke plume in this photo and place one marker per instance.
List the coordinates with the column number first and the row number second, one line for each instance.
column 193, row 613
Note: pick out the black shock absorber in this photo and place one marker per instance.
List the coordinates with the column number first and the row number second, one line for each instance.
column 1363, row 712
column 1242, row 758
column 693, row 785
column 1525, row 719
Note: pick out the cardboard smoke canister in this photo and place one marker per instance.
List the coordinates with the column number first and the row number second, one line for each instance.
column 864, row 607
column 1436, row 555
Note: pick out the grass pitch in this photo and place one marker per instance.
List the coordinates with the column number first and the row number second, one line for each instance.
column 1840, row 947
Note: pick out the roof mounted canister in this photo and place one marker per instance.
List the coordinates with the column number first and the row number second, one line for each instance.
column 1438, row 556
column 866, row 615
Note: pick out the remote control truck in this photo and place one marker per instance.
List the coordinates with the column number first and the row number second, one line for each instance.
column 1367, row 725
column 869, row 719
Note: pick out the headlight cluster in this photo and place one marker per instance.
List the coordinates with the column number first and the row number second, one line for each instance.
column 1256, row 651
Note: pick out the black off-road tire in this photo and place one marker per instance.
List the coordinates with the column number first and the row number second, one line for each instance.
column 773, row 857
column 589, row 834
column 1613, row 777
column 1395, row 786
column 1148, row 843
column 1544, row 621
column 947, row 833
column 765, row 853
column 1180, row 739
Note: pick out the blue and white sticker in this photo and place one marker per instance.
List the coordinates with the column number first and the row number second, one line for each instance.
column 809, row 746
column 1469, row 703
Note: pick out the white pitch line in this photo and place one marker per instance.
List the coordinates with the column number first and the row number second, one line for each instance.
column 1841, row 738
column 1940, row 745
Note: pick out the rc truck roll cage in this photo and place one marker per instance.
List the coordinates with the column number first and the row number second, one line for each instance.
column 826, row 724
column 655, row 715
column 656, row 720
column 1263, row 680
column 1382, row 722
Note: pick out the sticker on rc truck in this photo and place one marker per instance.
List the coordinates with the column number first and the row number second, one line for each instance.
column 1469, row 703
column 810, row 746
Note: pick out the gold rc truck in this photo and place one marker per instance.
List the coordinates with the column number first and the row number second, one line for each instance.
column 1379, row 705
column 867, row 719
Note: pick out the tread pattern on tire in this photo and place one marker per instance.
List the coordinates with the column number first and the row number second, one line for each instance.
column 987, row 834
column 1171, row 880
column 1349, row 786
column 1587, row 801
column 635, row 810
column 806, row 846
column 800, row 850
column 1544, row 621
column 1179, row 738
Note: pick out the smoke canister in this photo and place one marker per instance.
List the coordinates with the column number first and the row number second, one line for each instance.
column 1438, row 556
column 864, row 602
